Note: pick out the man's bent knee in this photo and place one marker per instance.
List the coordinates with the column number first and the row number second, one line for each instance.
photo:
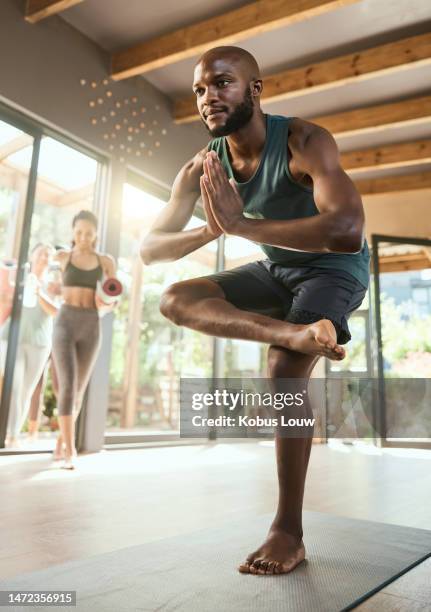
column 177, row 298
column 170, row 302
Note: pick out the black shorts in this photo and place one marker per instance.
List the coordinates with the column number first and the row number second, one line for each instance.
column 298, row 295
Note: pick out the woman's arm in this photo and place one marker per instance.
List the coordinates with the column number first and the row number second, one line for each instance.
column 109, row 270
column 109, row 266
column 46, row 303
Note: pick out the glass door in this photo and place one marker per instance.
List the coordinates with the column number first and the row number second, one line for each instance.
column 402, row 288
column 17, row 187
column 349, row 405
column 150, row 354
column 44, row 182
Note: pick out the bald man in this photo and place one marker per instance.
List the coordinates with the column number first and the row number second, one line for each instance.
column 277, row 181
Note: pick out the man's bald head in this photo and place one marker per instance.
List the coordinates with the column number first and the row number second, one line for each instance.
column 227, row 86
column 240, row 59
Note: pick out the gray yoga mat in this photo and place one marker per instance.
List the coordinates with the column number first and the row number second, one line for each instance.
column 348, row 560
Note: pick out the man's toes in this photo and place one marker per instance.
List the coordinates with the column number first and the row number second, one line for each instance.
column 276, row 568
column 244, row 568
column 270, row 567
column 254, row 567
column 262, row 567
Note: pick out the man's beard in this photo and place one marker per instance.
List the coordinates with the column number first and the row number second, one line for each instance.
column 238, row 119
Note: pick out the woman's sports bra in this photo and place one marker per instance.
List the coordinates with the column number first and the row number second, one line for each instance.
column 77, row 277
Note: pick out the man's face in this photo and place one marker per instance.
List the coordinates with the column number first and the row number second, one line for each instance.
column 223, row 97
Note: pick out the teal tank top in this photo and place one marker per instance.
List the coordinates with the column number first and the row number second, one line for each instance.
column 272, row 193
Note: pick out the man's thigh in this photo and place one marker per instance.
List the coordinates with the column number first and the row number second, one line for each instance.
column 329, row 294
column 250, row 287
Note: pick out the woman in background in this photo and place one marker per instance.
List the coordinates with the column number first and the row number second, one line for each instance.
column 77, row 336
column 35, row 339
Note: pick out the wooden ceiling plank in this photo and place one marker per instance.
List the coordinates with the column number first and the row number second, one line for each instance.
column 40, row 9
column 391, row 184
column 336, row 72
column 226, row 29
column 378, row 117
column 390, row 156
column 418, row 263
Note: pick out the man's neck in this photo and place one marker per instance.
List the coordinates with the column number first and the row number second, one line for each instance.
column 249, row 141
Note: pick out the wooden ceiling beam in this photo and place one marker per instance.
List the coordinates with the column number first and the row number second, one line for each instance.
column 391, row 184
column 336, row 72
column 39, row 9
column 415, row 261
column 226, row 29
column 390, row 156
column 379, row 117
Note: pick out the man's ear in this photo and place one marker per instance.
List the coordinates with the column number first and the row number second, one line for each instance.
column 257, row 87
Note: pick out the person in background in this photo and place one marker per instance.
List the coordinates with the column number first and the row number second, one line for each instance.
column 35, row 340
column 54, row 287
column 36, row 402
column 77, row 333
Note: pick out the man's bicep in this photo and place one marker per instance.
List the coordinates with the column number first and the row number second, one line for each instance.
column 334, row 191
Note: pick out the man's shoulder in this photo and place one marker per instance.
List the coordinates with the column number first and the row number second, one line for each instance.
column 302, row 130
column 305, row 134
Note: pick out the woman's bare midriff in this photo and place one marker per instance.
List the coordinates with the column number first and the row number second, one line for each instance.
column 83, row 297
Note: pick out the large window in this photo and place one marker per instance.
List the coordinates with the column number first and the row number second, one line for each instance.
column 62, row 181
column 150, row 354
column 66, row 184
column 14, row 180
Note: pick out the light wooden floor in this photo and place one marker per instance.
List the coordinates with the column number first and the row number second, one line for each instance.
column 122, row 498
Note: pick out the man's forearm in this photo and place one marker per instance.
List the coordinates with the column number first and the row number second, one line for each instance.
column 324, row 233
column 161, row 246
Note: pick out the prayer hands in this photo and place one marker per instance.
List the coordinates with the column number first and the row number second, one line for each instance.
column 222, row 203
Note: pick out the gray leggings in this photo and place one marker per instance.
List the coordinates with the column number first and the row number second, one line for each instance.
column 75, row 344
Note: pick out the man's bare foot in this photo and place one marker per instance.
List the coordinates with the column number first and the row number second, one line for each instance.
column 319, row 338
column 279, row 554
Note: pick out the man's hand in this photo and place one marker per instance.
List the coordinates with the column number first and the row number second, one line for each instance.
column 213, row 228
column 225, row 202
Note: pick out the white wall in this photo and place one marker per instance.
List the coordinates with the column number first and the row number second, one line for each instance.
column 41, row 67
column 406, row 213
